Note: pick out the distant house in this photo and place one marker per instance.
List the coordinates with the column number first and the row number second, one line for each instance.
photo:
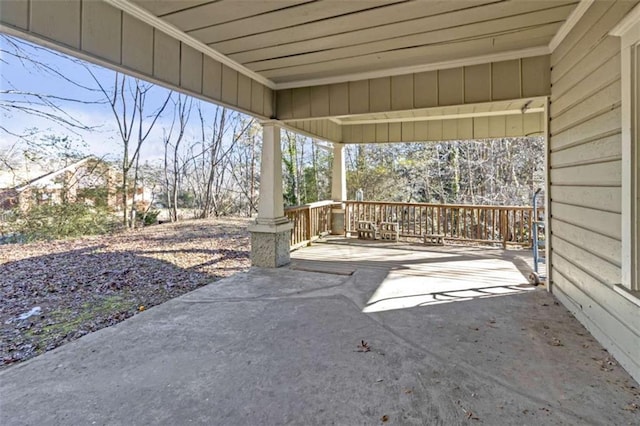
column 89, row 180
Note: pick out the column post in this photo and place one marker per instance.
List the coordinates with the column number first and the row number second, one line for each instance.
column 271, row 231
column 338, row 190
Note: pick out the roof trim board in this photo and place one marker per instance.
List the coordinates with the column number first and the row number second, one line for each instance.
column 568, row 25
column 439, row 117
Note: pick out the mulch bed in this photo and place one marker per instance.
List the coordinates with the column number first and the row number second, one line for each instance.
column 55, row 292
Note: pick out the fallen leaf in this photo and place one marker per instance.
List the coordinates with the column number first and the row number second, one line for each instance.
column 364, row 346
column 384, row 418
column 472, row 416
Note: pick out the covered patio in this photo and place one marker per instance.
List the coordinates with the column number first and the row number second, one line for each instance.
column 391, row 333
column 281, row 345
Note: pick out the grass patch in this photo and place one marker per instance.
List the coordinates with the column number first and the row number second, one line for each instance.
column 64, row 322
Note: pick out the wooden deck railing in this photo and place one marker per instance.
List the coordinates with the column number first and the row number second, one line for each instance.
column 506, row 225
column 458, row 222
column 310, row 221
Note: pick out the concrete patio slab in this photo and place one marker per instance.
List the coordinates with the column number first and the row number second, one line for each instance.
column 285, row 347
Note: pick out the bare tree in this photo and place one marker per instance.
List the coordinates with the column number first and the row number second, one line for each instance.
column 174, row 165
column 128, row 98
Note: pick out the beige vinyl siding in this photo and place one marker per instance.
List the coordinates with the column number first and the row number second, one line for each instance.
column 98, row 32
column 585, row 174
column 320, row 129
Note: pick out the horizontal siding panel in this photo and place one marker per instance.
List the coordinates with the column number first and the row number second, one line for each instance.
column 596, row 33
column 597, row 103
column 612, row 333
column 603, row 271
column 598, row 174
column 602, row 68
column 619, row 307
column 604, row 247
column 601, row 125
column 605, row 223
column 600, row 198
column 605, row 149
column 593, row 14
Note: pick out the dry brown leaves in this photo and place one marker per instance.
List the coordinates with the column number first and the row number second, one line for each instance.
column 85, row 284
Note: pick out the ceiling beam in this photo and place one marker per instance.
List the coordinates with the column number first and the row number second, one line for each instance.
column 439, row 117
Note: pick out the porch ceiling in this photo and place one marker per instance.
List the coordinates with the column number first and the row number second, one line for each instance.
column 294, row 43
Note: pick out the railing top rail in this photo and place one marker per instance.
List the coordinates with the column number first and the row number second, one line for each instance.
column 465, row 206
column 309, row 206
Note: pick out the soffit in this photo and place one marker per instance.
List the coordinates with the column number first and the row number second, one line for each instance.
column 299, row 40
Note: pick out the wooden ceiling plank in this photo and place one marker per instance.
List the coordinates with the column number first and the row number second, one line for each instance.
column 302, row 14
column 416, row 32
column 416, row 56
column 486, row 29
column 225, row 11
column 367, row 19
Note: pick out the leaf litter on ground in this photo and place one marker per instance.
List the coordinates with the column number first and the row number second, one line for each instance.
column 85, row 284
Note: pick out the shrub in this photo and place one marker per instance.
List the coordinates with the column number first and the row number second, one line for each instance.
column 150, row 217
column 50, row 222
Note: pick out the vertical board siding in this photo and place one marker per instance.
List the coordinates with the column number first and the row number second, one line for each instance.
column 98, row 32
column 585, row 173
column 514, row 79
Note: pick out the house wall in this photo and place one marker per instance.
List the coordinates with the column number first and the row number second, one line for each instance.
column 585, row 181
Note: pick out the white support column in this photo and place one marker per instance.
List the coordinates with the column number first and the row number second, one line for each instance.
column 271, row 232
column 339, row 176
column 338, row 189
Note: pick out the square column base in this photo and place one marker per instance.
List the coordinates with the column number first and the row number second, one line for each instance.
column 338, row 221
column 270, row 244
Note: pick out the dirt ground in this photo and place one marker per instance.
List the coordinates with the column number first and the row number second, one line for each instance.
column 55, row 292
